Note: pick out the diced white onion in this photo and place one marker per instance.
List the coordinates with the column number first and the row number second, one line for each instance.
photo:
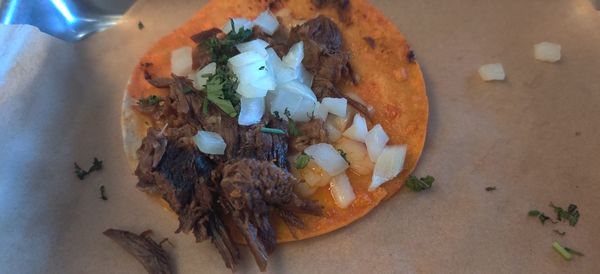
column 336, row 106
column 341, row 191
column 267, row 22
column 238, row 23
column 333, row 134
column 246, row 58
column 258, row 45
column 299, row 88
column 321, row 112
column 297, row 98
column 327, row 157
column 305, row 77
column 251, row 110
column 388, row 165
column 314, row 176
column 491, row 72
column 376, row 140
column 181, row 61
column 199, row 79
column 293, row 58
column 210, row 142
column 358, row 131
column 283, row 73
column 546, row 51
column 356, row 154
column 341, row 122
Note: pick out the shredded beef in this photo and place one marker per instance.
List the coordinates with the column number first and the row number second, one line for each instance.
column 252, row 189
column 150, row 254
column 326, row 58
column 200, row 54
column 264, row 146
column 171, row 165
column 313, row 132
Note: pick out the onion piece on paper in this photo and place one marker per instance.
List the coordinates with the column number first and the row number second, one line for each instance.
column 492, row 72
column 546, row 51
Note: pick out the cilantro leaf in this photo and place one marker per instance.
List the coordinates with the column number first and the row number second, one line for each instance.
column 416, row 184
column 302, row 161
column 571, row 214
column 151, row 100
column 81, row 173
column 292, row 127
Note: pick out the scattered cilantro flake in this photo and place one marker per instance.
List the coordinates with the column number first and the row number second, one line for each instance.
column 562, row 251
column 302, row 161
column 223, row 49
column 81, row 173
column 344, row 155
column 490, row 188
column 220, row 90
column 543, row 218
column 103, row 193
column 292, row 127
column 416, row 184
column 571, row 214
column 151, row 100
column 272, row 130
column 574, row 252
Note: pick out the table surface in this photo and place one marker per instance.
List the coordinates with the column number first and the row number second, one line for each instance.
column 533, row 136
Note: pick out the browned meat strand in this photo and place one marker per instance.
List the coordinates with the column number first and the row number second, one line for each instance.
column 252, row 189
column 150, row 254
column 313, row 132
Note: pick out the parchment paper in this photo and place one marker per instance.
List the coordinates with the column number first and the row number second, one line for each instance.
column 534, row 136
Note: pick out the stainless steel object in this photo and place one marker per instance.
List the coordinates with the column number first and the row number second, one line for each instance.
column 70, row 20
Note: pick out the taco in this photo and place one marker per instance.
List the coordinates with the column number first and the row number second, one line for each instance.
column 261, row 122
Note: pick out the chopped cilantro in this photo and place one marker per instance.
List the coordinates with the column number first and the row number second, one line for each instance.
column 81, row 173
column 302, row 161
column 419, row 184
column 292, row 128
column 571, row 214
column 151, row 100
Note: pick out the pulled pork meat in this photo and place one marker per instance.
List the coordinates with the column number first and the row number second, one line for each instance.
column 251, row 190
